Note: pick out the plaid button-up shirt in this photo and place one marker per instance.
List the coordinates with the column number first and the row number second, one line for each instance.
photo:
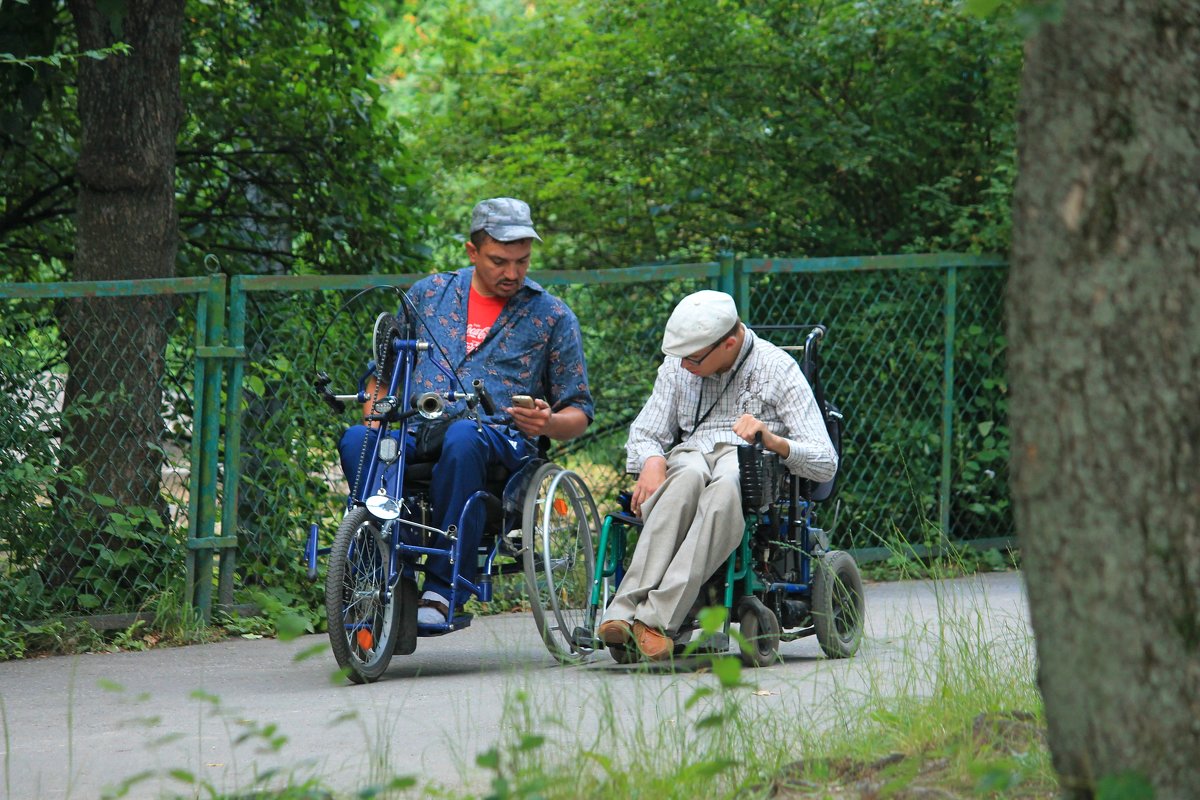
column 688, row 411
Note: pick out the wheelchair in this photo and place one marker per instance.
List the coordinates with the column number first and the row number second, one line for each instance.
column 539, row 524
column 783, row 581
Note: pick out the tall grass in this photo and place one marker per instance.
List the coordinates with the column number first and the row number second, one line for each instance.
column 944, row 699
column 959, row 695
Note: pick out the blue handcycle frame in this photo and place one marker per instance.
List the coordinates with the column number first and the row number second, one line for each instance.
column 406, row 349
column 359, row 597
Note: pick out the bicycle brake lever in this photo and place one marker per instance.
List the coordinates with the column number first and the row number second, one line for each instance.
column 321, row 384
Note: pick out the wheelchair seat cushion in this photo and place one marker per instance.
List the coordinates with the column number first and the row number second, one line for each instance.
column 419, row 475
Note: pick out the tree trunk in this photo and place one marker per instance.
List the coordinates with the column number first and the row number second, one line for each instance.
column 127, row 227
column 1104, row 328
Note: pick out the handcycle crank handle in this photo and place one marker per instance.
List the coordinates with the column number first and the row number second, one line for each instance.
column 485, row 398
column 336, row 402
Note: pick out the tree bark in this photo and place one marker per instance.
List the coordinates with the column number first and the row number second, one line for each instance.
column 1104, row 330
column 127, row 227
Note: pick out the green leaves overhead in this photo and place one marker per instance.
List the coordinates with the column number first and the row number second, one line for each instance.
column 286, row 161
column 675, row 130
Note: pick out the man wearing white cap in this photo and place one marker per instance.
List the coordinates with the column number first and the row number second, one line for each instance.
column 718, row 387
column 491, row 323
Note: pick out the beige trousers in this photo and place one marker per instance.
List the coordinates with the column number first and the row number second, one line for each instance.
column 693, row 522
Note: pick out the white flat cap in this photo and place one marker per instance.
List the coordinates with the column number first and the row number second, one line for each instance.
column 698, row 322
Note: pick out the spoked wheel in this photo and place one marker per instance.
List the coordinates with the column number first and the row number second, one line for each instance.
column 838, row 604
column 760, row 633
column 557, row 525
column 363, row 626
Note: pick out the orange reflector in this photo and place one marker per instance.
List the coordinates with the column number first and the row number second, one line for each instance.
column 560, row 506
column 365, row 640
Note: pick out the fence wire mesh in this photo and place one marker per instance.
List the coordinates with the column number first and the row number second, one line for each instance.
column 97, row 400
column 884, row 366
column 289, row 472
column 95, row 440
column 289, row 475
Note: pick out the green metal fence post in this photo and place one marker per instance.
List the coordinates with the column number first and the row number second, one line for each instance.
column 727, row 279
column 950, row 308
column 195, row 457
column 207, row 428
column 233, row 439
column 741, row 295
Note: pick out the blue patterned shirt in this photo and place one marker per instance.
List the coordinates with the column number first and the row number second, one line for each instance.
column 534, row 347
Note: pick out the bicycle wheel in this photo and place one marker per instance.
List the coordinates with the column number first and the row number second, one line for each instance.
column 363, row 625
column 559, row 517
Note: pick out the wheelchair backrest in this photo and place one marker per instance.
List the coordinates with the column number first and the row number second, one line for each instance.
column 810, row 365
column 820, row 492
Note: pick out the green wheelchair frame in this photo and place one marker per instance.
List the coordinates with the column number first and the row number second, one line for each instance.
column 783, row 581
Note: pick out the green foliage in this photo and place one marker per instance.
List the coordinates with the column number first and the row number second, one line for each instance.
column 58, row 59
column 281, row 612
column 674, row 131
column 286, row 160
column 1127, row 785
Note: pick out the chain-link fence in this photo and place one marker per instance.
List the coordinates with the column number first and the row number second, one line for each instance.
column 288, row 471
column 915, row 359
column 119, row 479
column 97, row 445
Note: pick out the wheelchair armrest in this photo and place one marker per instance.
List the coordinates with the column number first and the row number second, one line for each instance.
column 626, row 519
column 626, row 516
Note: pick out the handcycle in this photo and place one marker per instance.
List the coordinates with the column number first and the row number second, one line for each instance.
column 539, row 521
column 783, row 581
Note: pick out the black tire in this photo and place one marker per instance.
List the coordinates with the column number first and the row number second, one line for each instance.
column 838, row 604
column 557, row 523
column 363, row 627
column 760, row 634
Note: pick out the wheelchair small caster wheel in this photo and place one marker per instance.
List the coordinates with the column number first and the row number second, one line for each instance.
column 760, row 633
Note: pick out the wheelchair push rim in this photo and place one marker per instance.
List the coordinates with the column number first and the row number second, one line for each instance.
column 559, row 518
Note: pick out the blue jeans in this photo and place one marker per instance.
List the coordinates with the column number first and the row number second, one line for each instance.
column 467, row 452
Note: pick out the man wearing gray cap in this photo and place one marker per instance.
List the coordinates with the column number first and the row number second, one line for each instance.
column 496, row 325
column 719, row 386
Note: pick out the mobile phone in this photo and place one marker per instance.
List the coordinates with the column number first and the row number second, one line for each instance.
column 523, row 400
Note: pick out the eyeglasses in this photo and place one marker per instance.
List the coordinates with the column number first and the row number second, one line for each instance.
column 695, row 362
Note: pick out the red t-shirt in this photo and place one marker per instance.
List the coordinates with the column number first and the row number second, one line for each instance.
column 482, row 312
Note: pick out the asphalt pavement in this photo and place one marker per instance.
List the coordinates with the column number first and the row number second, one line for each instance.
column 240, row 714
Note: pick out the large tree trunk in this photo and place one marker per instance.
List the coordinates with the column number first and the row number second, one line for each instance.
column 127, row 227
column 1104, row 326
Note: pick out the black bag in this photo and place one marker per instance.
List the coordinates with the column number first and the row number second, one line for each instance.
column 429, row 436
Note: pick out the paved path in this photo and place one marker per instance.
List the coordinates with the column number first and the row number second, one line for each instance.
column 224, row 714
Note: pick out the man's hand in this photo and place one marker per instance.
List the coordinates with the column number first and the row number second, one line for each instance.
column 540, row 421
column 654, row 472
column 746, row 426
column 531, row 421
